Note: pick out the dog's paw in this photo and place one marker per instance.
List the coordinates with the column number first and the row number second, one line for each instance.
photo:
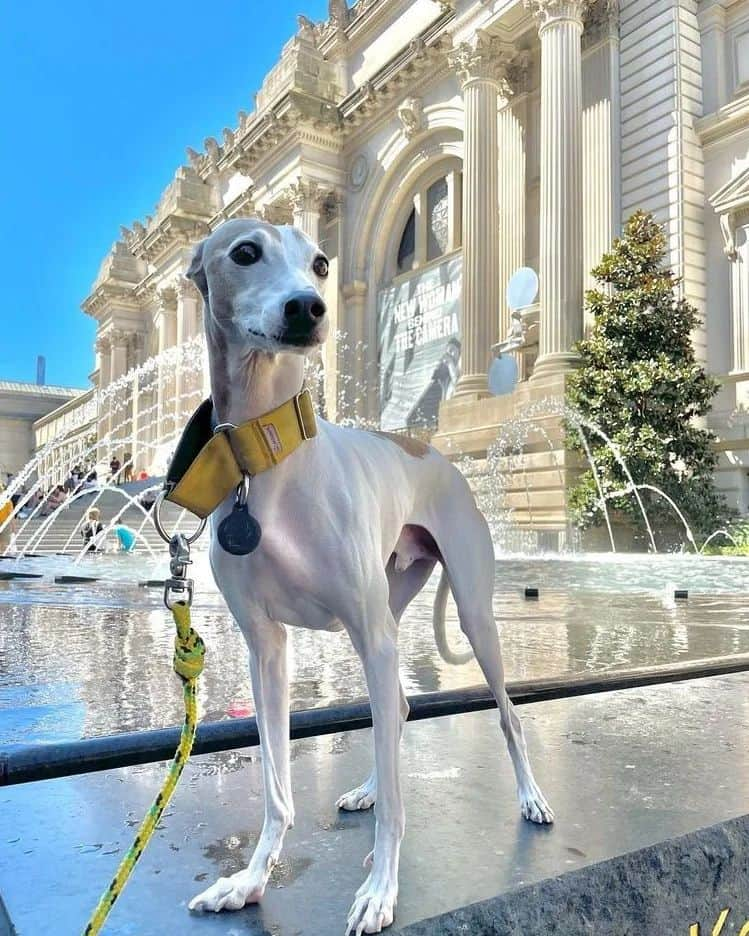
column 372, row 910
column 533, row 806
column 363, row 797
column 230, row 893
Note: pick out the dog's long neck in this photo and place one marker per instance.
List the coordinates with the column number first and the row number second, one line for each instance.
column 246, row 384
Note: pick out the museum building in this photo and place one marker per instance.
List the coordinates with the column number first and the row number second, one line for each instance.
column 433, row 148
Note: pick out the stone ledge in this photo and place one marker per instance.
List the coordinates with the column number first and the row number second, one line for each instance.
column 662, row 889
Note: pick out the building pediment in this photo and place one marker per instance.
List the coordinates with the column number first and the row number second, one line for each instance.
column 734, row 195
column 730, row 202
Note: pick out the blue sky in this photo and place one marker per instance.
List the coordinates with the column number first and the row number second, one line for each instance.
column 98, row 102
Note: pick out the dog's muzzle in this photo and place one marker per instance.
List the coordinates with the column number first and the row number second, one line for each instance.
column 303, row 313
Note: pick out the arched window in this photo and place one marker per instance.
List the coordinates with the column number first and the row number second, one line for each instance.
column 406, row 249
column 432, row 228
column 438, row 224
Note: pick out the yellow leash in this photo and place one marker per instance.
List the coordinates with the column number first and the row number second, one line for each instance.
column 189, row 652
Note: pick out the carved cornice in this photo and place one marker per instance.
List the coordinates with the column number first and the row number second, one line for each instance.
column 107, row 294
column 550, row 12
column 173, row 231
column 424, row 58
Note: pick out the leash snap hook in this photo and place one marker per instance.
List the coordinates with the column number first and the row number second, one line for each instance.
column 178, row 588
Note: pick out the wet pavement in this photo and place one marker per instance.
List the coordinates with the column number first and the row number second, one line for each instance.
column 90, row 659
column 622, row 771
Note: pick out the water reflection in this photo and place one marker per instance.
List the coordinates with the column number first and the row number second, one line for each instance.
column 94, row 660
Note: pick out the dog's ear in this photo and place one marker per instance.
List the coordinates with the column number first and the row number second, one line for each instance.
column 196, row 271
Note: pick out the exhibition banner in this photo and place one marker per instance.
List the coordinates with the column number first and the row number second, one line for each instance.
column 418, row 331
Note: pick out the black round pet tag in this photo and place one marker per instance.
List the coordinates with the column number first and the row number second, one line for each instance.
column 239, row 533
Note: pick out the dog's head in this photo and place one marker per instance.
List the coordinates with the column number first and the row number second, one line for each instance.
column 261, row 285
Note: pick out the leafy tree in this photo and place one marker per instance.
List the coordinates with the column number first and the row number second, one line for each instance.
column 640, row 383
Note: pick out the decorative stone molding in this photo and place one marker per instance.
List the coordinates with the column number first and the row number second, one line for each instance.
column 485, row 58
column 548, row 12
column 411, row 116
column 332, row 204
column 307, row 30
column 101, row 344
column 339, row 14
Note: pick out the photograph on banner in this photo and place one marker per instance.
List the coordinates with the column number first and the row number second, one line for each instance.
column 418, row 322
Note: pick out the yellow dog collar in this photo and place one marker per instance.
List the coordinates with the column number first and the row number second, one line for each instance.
column 209, row 463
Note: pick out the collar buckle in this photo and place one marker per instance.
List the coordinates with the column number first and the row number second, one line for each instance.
column 299, row 416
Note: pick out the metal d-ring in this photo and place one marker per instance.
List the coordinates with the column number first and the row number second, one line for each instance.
column 160, row 527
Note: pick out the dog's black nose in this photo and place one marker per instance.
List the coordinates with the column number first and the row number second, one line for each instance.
column 304, row 305
column 303, row 312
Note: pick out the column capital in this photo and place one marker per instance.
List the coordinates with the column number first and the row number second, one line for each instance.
column 101, row 344
column 484, row 58
column 551, row 12
column 304, row 195
column 167, row 300
column 186, row 289
column 118, row 337
column 601, row 20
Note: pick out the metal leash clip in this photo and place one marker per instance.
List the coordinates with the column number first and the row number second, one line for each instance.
column 178, row 588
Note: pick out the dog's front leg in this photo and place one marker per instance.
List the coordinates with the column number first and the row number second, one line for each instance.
column 268, row 668
column 375, row 640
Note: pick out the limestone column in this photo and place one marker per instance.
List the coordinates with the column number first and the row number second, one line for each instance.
column 560, row 27
column 305, row 197
column 119, row 403
column 166, row 323
column 137, row 344
column 479, row 66
column 103, row 355
column 357, row 394
column 511, row 143
column 189, row 374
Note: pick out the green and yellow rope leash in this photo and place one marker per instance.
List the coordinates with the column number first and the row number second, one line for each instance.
column 189, row 652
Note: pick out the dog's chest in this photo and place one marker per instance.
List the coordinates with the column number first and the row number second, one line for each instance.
column 284, row 578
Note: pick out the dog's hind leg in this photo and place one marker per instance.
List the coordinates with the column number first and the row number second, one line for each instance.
column 468, row 554
column 268, row 667
column 404, row 586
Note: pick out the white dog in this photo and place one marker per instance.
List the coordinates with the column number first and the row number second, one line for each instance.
column 352, row 525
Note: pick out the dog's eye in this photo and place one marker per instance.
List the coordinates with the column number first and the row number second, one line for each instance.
column 246, row 254
column 320, row 266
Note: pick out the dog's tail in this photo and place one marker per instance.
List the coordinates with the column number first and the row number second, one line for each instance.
column 438, row 620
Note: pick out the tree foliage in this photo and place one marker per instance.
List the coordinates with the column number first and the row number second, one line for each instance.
column 640, row 383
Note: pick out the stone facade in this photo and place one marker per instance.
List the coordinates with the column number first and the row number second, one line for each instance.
column 542, row 124
column 21, row 406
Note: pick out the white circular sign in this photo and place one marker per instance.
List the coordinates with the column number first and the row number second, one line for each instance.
column 503, row 375
column 522, row 288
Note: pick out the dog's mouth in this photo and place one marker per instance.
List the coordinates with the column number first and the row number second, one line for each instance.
column 309, row 340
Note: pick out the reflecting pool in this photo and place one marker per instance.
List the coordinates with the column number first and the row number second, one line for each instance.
column 94, row 658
